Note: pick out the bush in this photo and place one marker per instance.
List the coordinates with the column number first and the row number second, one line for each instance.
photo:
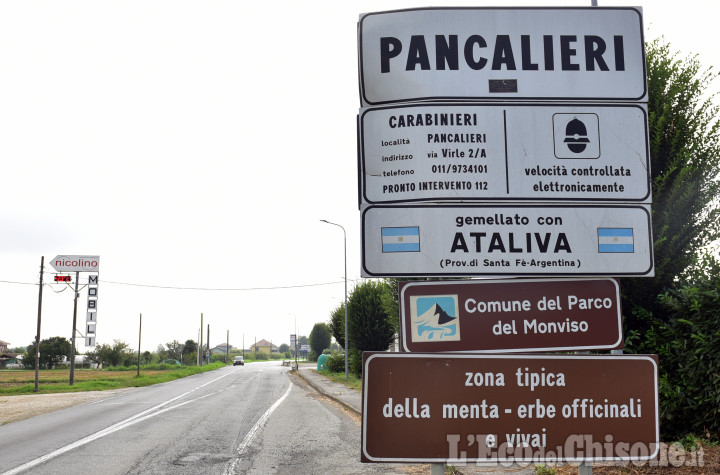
column 355, row 361
column 149, row 367
column 261, row 357
column 370, row 328
column 336, row 362
column 319, row 338
column 312, row 356
column 687, row 347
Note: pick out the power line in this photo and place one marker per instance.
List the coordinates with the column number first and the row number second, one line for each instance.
column 224, row 289
column 216, row 289
column 20, row 283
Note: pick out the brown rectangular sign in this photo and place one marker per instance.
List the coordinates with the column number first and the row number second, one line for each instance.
column 510, row 315
column 501, row 408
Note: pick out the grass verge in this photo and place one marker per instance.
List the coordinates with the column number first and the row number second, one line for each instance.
column 352, row 382
column 16, row 382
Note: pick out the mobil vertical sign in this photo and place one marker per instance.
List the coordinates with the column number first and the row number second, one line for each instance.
column 502, row 53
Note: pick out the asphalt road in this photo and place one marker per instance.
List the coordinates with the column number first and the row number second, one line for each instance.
column 255, row 418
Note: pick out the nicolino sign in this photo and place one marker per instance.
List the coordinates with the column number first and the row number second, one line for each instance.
column 502, row 53
column 64, row 263
column 493, row 408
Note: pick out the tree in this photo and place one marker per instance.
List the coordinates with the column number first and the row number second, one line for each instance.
column 685, row 171
column 337, row 324
column 174, row 350
column 190, row 350
column 687, row 345
column 147, row 357
column 675, row 313
column 370, row 328
column 117, row 354
column 162, row 353
column 190, row 346
column 284, row 348
column 52, row 352
column 96, row 355
column 319, row 338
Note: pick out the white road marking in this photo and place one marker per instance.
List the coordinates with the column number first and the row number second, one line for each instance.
column 251, row 433
column 141, row 416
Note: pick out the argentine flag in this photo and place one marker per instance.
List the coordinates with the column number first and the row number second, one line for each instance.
column 406, row 239
column 615, row 240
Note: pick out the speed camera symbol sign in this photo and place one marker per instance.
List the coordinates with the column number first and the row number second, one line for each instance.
column 576, row 135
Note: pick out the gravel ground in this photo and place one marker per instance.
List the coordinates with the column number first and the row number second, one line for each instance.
column 17, row 408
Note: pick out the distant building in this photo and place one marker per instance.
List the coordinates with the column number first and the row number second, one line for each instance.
column 263, row 346
column 7, row 359
column 221, row 349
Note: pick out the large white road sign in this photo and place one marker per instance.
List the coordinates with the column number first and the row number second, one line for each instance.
column 502, row 53
column 494, row 240
column 528, row 152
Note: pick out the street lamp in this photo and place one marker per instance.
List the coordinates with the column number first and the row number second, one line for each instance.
column 346, row 310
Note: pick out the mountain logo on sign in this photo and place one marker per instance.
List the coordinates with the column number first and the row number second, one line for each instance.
column 435, row 318
column 442, row 315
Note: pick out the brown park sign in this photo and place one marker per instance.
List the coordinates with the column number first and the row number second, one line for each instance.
column 440, row 408
column 510, row 315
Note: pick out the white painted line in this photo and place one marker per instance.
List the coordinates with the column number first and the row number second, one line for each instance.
column 141, row 416
column 251, row 433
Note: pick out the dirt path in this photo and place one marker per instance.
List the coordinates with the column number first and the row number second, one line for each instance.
column 17, row 408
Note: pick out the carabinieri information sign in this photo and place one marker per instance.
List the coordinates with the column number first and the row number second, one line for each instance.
column 521, row 152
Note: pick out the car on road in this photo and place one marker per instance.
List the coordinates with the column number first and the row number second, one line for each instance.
column 238, row 360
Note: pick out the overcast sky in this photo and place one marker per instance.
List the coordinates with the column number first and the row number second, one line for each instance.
column 195, row 147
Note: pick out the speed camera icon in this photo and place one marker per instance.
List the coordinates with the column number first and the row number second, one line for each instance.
column 576, row 135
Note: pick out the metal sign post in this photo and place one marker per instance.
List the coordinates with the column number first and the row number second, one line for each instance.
column 77, row 264
column 74, row 330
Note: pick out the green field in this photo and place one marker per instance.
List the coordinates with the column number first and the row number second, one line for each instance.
column 15, row 382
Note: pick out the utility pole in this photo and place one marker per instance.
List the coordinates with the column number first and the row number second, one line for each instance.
column 74, row 330
column 139, row 340
column 37, row 336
